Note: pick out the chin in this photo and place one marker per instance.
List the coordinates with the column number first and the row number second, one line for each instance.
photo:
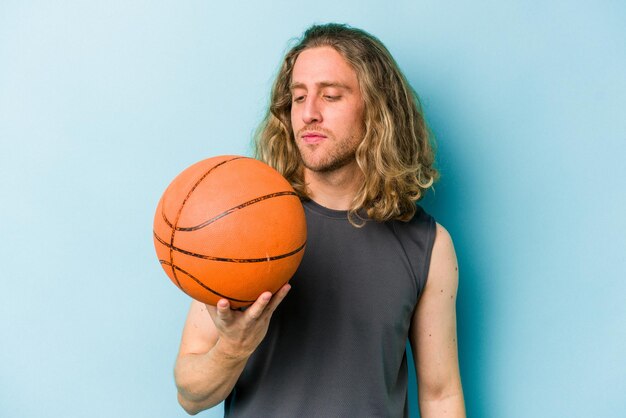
column 325, row 163
column 326, row 166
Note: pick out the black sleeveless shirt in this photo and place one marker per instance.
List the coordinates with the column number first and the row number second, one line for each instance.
column 336, row 345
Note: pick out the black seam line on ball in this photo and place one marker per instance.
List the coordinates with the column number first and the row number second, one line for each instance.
column 183, row 205
column 195, row 279
column 227, row 259
column 227, row 212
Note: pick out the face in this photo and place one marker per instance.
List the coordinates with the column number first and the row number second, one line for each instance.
column 326, row 109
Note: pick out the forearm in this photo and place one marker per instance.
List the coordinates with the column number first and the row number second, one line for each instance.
column 205, row 380
column 450, row 406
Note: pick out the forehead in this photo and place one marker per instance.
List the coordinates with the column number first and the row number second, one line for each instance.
column 323, row 65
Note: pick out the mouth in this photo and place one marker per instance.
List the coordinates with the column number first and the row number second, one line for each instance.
column 313, row 137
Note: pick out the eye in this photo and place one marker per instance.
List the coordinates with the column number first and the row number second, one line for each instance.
column 298, row 99
column 332, row 98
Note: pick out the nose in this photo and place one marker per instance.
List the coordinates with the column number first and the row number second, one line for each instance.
column 311, row 112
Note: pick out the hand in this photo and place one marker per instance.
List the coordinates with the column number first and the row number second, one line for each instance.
column 241, row 332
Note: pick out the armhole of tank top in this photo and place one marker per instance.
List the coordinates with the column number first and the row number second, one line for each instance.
column 403, row 245
column 428, row 251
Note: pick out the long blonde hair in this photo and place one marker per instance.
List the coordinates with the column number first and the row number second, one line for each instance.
column 396, row 155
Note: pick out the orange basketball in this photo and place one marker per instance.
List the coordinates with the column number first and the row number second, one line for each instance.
column 229, row 227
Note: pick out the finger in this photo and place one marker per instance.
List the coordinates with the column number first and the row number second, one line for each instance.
column 223, row 310
column 278, row 297
column 256, row 309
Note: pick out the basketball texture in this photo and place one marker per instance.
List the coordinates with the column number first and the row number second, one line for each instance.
column 229, row 227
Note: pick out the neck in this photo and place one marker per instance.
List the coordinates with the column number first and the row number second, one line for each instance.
column 335, row 189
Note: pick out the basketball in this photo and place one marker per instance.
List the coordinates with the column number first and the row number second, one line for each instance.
column 229, row 227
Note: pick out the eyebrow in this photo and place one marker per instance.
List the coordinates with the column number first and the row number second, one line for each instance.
column 321, row 84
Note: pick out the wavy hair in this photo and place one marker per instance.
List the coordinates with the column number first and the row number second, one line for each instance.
column 396, row 155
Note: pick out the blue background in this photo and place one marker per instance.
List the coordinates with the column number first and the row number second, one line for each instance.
column 103, row 103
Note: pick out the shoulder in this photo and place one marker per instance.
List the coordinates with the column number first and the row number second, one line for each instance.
column 423, row 225
column 443, row 240
column 417, row 237
column 420, row 228
column 443, row 271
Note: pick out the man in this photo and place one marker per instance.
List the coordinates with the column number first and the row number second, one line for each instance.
column 344, row 127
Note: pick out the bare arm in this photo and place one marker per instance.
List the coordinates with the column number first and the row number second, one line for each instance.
column 433, row 335
column 215, row 347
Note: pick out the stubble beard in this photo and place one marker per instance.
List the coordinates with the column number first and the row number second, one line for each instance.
column 343, row 154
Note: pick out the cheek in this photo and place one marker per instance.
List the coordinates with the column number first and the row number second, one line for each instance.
column 294, row 121
column 354, row 122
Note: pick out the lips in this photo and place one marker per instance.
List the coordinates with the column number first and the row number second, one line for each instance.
column 313, row 137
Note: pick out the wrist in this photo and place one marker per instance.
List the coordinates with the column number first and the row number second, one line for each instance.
column 230, row 352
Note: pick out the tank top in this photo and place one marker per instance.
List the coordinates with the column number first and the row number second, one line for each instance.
column 336, row 345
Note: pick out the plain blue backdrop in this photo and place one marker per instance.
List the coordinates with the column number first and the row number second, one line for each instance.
column 103, row 103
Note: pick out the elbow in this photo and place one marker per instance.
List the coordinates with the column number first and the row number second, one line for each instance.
column 187, row 395
column 190, row 407
column 193, row 402
column 197, row 392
